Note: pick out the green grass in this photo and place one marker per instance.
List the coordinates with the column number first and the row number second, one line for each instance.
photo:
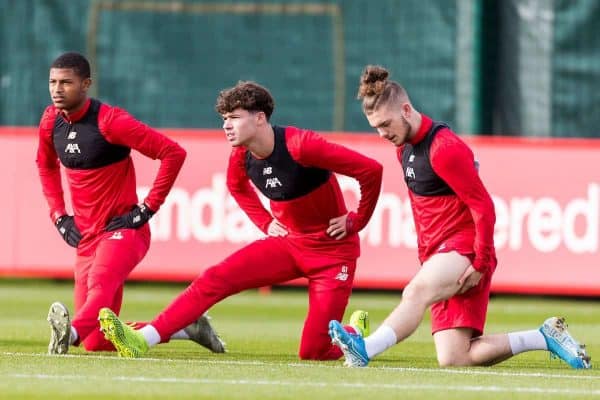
column 262, row 333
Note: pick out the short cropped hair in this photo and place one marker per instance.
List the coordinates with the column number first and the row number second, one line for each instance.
column 73, row 60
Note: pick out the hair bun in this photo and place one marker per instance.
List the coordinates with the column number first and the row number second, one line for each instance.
column 374, row 73
column 372, row 81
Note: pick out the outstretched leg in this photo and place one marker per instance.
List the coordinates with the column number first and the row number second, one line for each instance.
column 261, row 263
column 437, row 280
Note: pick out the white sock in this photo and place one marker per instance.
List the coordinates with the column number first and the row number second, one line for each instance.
column 74, row 335
column 180, row 335
column 526, row 341
column 382, row 339
column 151, row 335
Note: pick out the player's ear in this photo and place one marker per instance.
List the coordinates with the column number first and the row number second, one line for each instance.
column 261, row 118
column 86, row 83
column 406, row 110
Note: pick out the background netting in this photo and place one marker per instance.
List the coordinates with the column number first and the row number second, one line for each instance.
column 518, row 67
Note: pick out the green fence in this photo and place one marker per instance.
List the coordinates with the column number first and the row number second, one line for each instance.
column 166, row 61
column 521, row 67
column 549, row 68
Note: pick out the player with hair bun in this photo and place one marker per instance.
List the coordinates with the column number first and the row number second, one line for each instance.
column 454, row 220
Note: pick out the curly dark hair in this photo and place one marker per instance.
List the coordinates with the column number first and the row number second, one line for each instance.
column 73, row 60
column 247, row 95
column 375, row 89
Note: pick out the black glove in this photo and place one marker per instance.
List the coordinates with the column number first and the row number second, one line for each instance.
column 68, row 230
column 138, row 216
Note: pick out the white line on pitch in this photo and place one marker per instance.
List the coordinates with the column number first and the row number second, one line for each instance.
column 355, row 385
column 449, row 371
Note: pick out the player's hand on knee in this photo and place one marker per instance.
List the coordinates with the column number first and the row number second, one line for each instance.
column 139, row 215
column 469, row 279
column 68, row 230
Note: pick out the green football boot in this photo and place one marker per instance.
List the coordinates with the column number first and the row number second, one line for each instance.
column 129, row 342
column 359, row 320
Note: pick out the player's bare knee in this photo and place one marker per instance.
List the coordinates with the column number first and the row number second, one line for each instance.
column 447, row 360
column 415, row 292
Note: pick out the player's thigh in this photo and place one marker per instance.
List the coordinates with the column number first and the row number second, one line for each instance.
column 261, row 263
column 118, row 253
column 452, row 345
column 437, row 279
column 465, row 310
column 329, row 289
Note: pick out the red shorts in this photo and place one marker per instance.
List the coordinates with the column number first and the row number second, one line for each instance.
column 467, row 310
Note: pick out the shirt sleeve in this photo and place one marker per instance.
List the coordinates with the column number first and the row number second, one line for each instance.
column 244, row 193
column 119, row 127
column 48, row 166
column 311, row 149
column 454, row 162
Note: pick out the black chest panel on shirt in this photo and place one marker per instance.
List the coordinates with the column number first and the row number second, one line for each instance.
column 279, row 177
column 419, row 175
column 81, row 145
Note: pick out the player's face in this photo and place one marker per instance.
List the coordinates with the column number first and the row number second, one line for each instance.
column 240, row 126
column 68, row 90
column 390, row 123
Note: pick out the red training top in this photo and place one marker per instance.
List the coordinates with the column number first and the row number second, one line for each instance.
column 307, row 217
column 98, row 194
column 463, row 221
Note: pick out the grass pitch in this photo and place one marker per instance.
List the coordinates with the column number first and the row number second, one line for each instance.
column 262, row 334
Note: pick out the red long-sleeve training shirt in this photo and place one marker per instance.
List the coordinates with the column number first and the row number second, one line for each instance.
column 308, row 216
column 464, row 220
column 98, row 194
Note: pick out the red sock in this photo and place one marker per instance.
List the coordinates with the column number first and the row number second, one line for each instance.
column 350, row 329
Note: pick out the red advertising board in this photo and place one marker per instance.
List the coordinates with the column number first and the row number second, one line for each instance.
column 546, row 193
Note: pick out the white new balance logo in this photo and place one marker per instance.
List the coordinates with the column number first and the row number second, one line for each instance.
column 267, row 170
column 118, row 235
column 342, row 276
column 72, row 148
column 272, row 183
column 72, row 135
